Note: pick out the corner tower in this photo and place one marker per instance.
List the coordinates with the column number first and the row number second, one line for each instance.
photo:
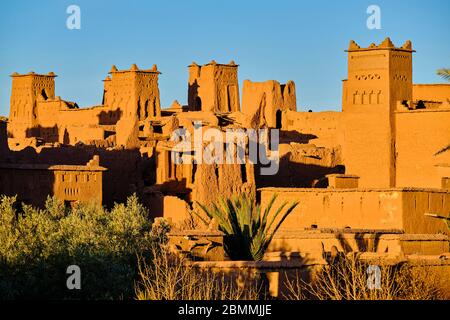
column 27, row 89
column 213, row 87
column 135, row 92
column 378, row 77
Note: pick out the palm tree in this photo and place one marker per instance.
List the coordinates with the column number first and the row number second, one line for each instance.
column 248, row 231
column 444, row 73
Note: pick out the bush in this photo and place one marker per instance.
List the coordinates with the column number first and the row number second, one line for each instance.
column 248, row 230
column 37, row 246
column 346, row 279
column 168, row 276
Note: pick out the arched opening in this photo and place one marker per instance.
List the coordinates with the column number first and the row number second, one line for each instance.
column 139, row 109
column 198, row 104
column 278, row 119
column 146, row 109
column 44, row 94
column 155, row 111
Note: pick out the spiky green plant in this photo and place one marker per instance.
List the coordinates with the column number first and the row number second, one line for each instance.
column 444, row 73
column 248, row 230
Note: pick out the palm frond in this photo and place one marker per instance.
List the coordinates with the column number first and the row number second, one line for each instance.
column 444, row 73
column 246, row 227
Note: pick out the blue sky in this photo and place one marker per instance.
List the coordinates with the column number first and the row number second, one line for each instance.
column 302, row 41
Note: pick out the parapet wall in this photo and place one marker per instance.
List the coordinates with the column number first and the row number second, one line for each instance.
column 383, row 209
column 422, row 143
column 431, row 92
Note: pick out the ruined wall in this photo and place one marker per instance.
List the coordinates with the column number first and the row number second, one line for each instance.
column 401, row 209
column 422, row 143
column 26, row 90
column 265, row 102
column 213, row 87
column 431, row 92
column 378, row 77
column 289, row 96
column 213, row 181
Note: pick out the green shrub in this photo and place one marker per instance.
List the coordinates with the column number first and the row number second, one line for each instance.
column 248, row 231
column 37, row 246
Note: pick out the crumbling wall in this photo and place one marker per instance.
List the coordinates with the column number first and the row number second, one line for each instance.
column 213, row 181
column 265, row 101
column 26, row 90
column 213, row 87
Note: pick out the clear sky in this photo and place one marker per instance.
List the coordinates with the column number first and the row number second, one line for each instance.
column 296, row 40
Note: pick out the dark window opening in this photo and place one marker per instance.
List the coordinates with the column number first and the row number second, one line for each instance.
column 243, row 173
column 198, row 104
column 157, row 129
column 216, row 170
column 44, row 94
column 278, row 117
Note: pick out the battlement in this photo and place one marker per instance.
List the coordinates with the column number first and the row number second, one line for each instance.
column 135, row 68
column 387, row 44
column 214, row 63
column 33, row 74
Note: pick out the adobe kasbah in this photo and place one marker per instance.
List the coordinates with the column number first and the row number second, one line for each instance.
column 372, row 173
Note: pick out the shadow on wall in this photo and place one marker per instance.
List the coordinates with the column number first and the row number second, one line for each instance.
column 109, row 117
column 296, row 175
column 32, row 186
column 195, row 102
column 295, row 136
column 363, row 243
column 124, row 175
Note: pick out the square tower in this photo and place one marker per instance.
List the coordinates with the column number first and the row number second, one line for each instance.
column 134, row 92
column 378, row 77
column 213, row 87
column 27, row 89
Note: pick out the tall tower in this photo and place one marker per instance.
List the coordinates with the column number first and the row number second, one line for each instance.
column 135, row 92
column 27, row 89
column 213, row 87
column 378, row 77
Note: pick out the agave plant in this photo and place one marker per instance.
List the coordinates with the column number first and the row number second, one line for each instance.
column 444, row 73
column 248, row 230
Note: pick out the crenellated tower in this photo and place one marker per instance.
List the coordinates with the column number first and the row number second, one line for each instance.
column 378, row 77
column 135, row 92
